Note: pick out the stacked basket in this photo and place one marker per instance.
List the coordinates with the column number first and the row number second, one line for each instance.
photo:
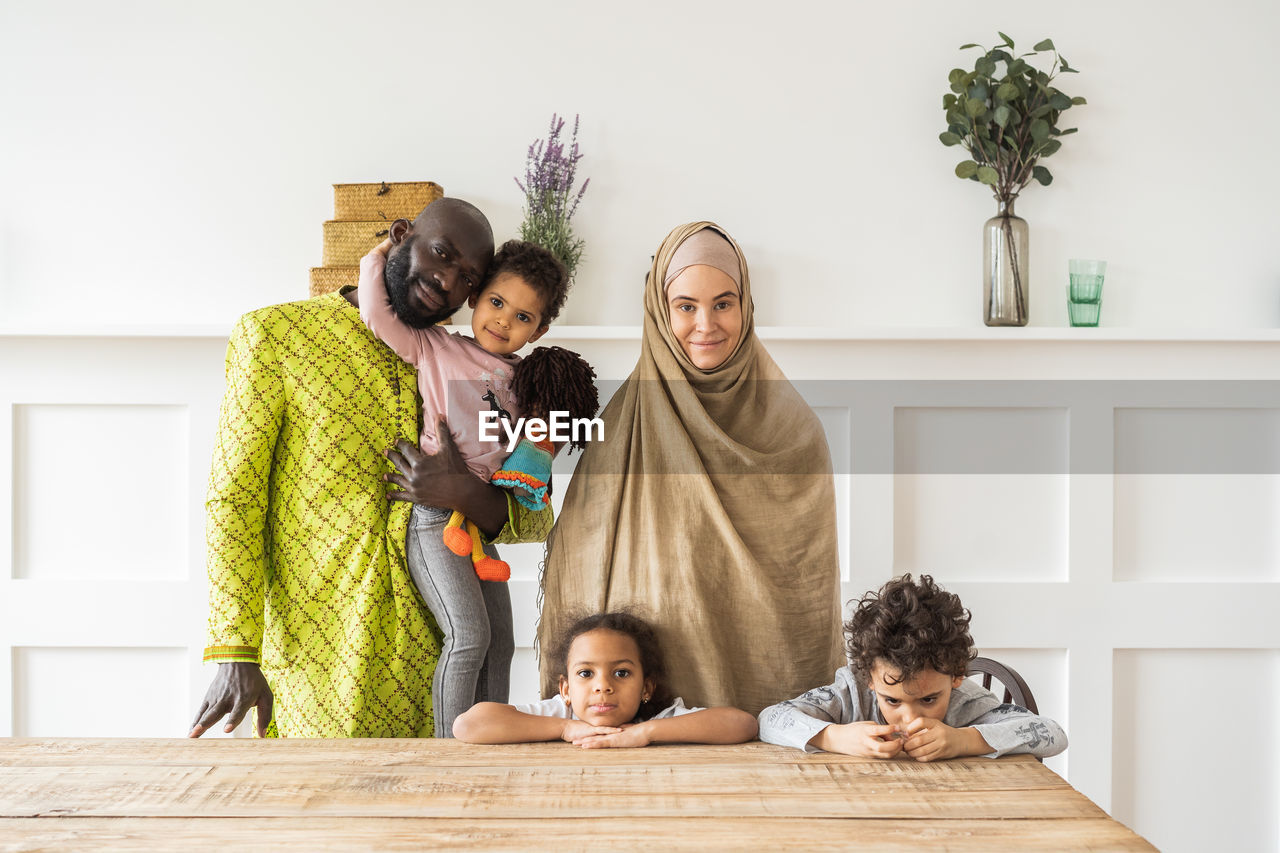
column 362, row 217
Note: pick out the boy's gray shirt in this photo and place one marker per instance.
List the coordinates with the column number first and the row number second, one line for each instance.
column 1006, row 728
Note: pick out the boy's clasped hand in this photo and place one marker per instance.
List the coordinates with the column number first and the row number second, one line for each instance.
column 929, row 740
column 922, row 739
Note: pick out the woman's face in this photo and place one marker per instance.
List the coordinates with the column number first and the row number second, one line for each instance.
column 706, row 314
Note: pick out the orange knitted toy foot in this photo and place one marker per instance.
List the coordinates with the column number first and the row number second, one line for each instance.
column 456, row 538
column 457, row 541
column 487, row 568
column 490, row 569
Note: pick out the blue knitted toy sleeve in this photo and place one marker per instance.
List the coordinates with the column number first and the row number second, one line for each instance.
column 526, row 473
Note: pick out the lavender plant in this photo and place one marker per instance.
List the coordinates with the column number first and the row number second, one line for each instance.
column 550, row 200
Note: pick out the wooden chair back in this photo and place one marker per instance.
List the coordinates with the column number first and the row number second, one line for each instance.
column 1016, row 690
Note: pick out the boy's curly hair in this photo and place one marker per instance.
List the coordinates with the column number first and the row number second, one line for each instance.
column 911, row 626
column 652, row 662
column 540, row 269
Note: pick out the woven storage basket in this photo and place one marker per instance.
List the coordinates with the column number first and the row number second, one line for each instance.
column 345, row 243
column 386, row 201
column 328, row 279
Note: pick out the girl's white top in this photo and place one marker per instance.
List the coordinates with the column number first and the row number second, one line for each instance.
column 557, row 707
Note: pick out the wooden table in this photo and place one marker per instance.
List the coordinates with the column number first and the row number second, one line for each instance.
column 434, row 794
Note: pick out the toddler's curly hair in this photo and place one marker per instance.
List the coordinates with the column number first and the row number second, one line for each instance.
column 911, row 626
column 540, row 269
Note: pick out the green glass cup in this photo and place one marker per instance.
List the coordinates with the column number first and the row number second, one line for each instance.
column 1083, row 313
column 1086, row 280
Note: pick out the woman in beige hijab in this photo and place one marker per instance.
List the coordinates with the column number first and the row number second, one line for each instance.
column 709, row 505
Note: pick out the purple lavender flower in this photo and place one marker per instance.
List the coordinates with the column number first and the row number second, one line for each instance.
column 550, row 199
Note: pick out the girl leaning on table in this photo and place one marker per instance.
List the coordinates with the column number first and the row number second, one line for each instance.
column 612, row 694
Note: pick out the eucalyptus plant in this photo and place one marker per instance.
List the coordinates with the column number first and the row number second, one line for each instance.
column 1007, row 119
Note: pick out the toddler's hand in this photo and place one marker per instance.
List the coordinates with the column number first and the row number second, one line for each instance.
column 576, row 730
column 869, row 740
column 931, row 740
column 629, row 736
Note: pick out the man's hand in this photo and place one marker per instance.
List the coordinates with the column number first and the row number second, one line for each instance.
column 575, row 731
column 869, row 740
column 932, row 740
column 236, row 688
column 434, row 479
column 443, row 479
column 631, row 735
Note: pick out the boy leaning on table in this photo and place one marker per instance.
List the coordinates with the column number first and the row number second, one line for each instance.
column 910, row 649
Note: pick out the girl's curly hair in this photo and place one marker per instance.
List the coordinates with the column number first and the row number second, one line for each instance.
column 911, row 626
column 539, row 269
column 652, row 662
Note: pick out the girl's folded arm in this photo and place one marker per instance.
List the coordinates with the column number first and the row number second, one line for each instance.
column 494, row 722
column 710, row 725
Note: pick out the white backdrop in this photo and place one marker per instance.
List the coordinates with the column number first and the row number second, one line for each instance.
column 164, row 165
column 181, row 153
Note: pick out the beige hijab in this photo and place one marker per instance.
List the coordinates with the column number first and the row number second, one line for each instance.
column 709, row 509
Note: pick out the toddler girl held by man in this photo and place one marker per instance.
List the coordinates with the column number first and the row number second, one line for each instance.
column 458, row 377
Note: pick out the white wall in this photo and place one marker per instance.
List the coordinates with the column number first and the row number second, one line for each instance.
column 182, row 152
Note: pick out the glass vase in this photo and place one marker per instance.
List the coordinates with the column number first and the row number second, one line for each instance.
column 1004, row 269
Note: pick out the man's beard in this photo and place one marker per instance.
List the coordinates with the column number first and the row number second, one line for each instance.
column 399, row 284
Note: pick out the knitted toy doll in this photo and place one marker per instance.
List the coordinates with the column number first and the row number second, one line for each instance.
column 549, row 379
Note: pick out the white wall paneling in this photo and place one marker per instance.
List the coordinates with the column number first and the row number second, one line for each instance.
column 1190, row 725
column 55, row 446
column 1019, row 536
column 108, row 442
column 1197, row 527
column 1197, row 492
column 1011, row 462
column 6, row 567
column 99, row 691
column 1087, row 601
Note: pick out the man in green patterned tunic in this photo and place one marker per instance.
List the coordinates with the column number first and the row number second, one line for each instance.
column 313, row 618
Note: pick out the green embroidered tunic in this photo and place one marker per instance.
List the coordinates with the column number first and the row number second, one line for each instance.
column 305, row 553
